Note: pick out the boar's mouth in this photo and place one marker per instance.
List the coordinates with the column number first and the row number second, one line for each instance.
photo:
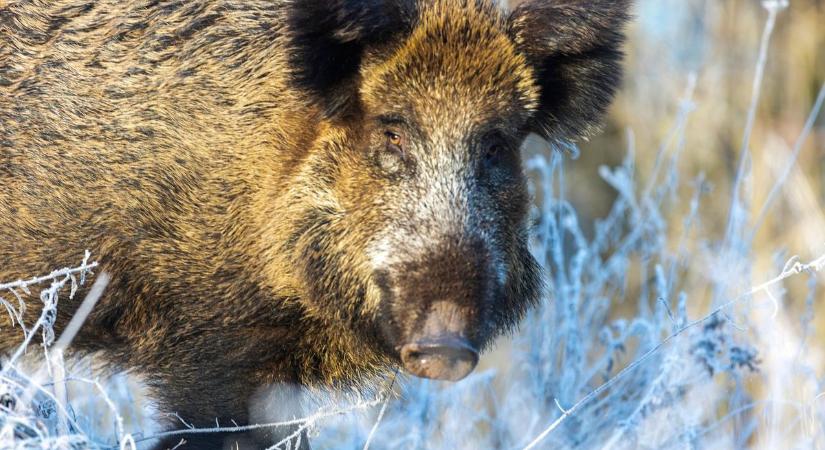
column 439, row 349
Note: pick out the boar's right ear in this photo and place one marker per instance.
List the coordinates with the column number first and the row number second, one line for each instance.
column 574, row 47
column 329, row 37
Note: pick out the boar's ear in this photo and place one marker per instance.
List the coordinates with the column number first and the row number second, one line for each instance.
column 328, row 38
column 574, row 47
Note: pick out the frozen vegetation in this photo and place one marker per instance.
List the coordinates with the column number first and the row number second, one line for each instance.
column 655, row 332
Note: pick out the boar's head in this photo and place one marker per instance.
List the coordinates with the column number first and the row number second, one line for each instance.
column 412, row 227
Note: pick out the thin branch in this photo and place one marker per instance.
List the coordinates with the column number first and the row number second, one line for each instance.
column 259, row 426
column 83, row 312
column 23, row 284
column 773, row 7
column 780, row 182
column 381, row 413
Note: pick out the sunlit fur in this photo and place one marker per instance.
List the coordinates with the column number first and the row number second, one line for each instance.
column 222, row 161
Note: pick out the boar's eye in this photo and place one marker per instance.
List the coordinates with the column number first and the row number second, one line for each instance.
column 494, row 152
column 392, row 157
column 394, row 142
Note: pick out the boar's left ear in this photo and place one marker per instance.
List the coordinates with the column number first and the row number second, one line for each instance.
column 328, row 39
column 574, row 47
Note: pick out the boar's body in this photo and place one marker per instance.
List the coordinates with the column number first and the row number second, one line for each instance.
column 216, row 158
column 145, row 136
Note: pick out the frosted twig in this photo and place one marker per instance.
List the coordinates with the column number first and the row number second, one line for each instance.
column 380, row 413
column 49, row 297
column 66, row 428
column 182, row 420
column 83, row 311
column 780, row 182
column 686, row 107
column 288, row 423
column 128, row 443
column 773, row 8
column 60, row 392
column 29, row 382
column 82, row 269
column 56, row 357
column 558, row 405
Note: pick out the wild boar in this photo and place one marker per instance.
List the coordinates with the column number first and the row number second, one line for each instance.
column 302, row 192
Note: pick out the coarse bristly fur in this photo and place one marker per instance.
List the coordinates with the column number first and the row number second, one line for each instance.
column 283, row 191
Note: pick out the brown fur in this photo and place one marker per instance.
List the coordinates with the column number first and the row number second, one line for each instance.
column 225, row 162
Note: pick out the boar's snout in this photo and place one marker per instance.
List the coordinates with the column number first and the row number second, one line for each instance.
column 448, row 358
column 439, row 350
column 437, row 308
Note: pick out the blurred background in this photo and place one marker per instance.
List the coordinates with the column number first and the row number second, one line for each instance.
column 715, row 44
column 718, row 43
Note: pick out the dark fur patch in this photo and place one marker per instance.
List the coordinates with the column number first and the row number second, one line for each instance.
column 575, row 48
column 329, row 38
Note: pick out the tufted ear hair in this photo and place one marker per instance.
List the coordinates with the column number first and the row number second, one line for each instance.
column 574, row 47
column 329, row 38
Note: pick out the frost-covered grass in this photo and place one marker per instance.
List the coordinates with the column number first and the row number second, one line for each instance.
column 657, row 331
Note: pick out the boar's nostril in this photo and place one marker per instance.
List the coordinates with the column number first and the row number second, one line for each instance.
column 448, row 358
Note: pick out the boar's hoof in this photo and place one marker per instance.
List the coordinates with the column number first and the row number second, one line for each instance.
column 447, row 358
